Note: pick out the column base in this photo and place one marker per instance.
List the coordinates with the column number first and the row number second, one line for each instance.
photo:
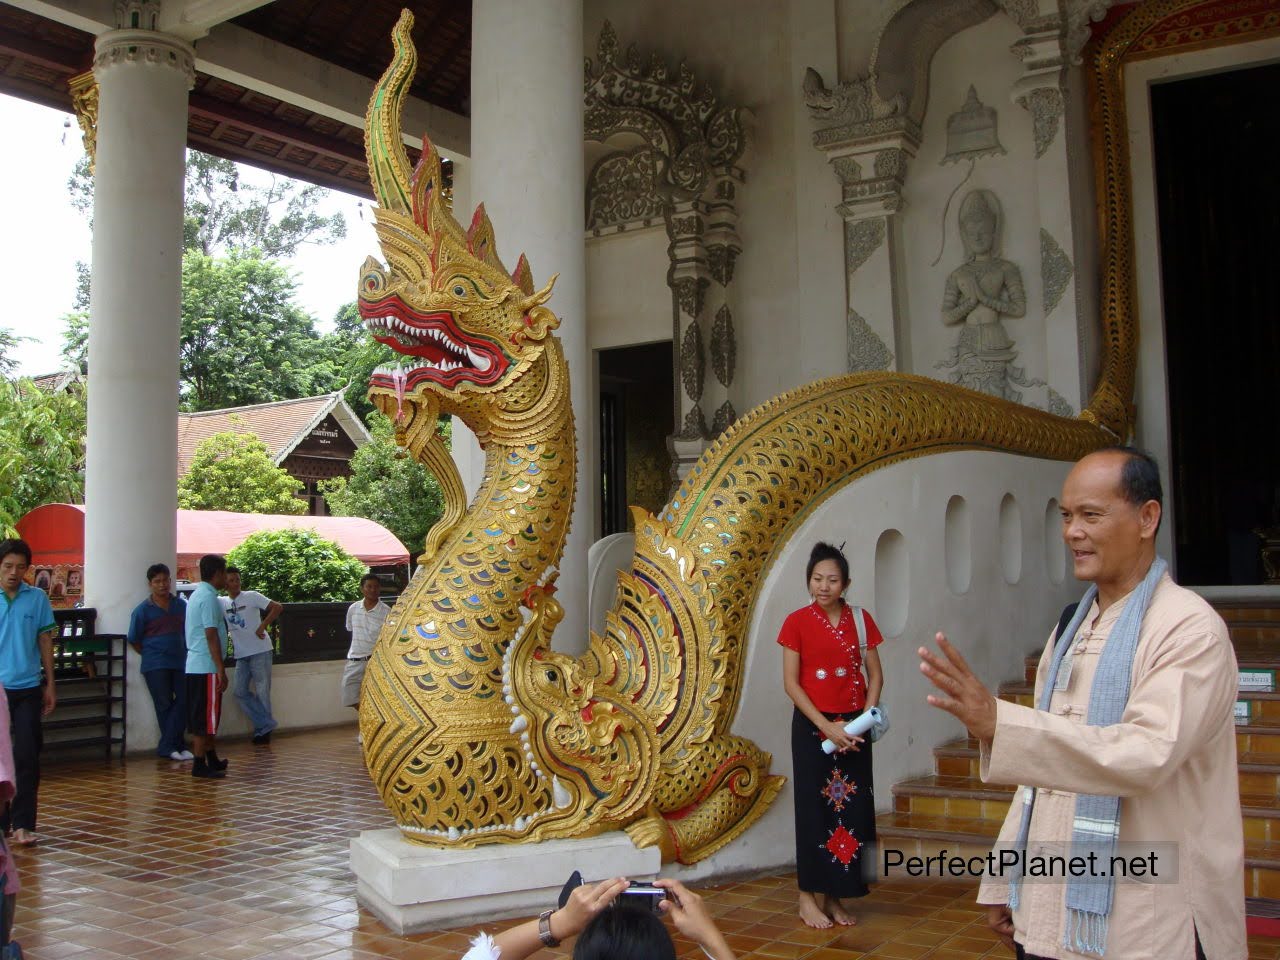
column 411, row 887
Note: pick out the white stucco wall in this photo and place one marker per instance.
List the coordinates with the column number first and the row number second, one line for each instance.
column 979, row 56
column 303, row 695
column 994, row 623
column 628, row 300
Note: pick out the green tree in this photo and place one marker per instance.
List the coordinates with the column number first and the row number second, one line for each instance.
column 355, row 355
column 222, row 215
column 233, row 471
column 9, row 342
column 297, row 566
column 41, row 449
column 244, row 340
column 388, row 486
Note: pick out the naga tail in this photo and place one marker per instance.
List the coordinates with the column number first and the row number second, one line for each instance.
column 675, row 642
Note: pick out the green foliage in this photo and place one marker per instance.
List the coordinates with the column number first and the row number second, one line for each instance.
column 41, row 449
column 8, row 343
column 244, row 340
column 297, row 566
column 388, row 486
column 222, row 215
column 233, row 471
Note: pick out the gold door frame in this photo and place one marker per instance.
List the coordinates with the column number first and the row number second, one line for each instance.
column 1111, row 405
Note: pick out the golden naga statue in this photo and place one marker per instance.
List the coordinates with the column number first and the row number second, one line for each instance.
column 474, row 730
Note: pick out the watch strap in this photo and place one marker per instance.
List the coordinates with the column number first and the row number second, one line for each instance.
column 544, row 929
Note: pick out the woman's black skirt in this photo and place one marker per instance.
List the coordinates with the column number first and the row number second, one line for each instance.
column 835, row 813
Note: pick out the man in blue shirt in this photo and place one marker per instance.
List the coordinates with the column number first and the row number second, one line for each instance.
column 27, row 630
column 157, row 630
column 206, row 675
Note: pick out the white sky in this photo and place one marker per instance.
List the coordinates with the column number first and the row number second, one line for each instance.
column 42, row 236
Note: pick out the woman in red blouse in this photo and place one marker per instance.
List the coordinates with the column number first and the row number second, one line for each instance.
column 825, row 653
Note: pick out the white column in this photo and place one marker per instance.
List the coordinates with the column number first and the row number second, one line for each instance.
column 527, row 168
column 131, row 472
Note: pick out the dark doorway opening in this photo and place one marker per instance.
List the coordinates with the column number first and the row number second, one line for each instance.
column 637, row 396
column 1216, row 142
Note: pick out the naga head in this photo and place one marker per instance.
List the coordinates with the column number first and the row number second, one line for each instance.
column 465, row 325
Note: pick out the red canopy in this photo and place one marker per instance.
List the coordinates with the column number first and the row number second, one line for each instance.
column 56, row 534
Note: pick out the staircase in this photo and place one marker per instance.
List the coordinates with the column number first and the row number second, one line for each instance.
column 954, row 810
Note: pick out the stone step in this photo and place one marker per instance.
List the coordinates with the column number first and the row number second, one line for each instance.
column 958, row 797
column 958, row 758
column 1261, row 868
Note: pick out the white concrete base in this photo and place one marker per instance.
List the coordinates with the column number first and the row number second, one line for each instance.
column 410, row 887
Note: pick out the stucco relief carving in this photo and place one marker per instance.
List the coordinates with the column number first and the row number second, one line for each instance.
column 1077, row 15
column 623, row 187
column 1055, row 270
column 694, row 143
column 694, row 426
column 721, row 259
column 693, row 362
column 972, row 131
column 1023, row 12
column 724, row 348
column 848, row 170
column 1059, row 406
column 865, row 350
column 690, row 294
column 854, row 101
column 1047, row 107
column 862, row 238
column 723, row 419
column 979, row 294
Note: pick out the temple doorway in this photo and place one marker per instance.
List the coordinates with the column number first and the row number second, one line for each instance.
column 636, row 402
column 1216, row 139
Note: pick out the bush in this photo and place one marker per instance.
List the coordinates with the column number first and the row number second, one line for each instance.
column 234, row 471
column 297, row 566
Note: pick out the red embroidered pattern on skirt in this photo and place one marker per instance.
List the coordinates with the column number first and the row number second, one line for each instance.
column 842, row 845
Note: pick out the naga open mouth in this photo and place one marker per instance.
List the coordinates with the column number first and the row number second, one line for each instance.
column 448, row 357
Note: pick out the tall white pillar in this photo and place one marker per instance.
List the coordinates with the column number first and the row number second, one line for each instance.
column 527, row 168
column 131, row 469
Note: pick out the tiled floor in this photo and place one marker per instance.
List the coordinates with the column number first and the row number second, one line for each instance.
column 141, row 861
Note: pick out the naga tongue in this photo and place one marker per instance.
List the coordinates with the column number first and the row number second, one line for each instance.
column 399, row 379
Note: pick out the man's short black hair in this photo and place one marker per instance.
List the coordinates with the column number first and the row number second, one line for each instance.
column 1139, row 476
column 370, row 576
column 155, row 570
column 231, row 570
column 14, row 545
column 211, row 564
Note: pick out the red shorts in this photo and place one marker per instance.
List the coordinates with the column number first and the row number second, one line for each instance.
column 204, row 704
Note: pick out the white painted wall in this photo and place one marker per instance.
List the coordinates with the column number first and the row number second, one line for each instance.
column 628, row 300
column 994, row 623
column 979, row 56
column 303, row 695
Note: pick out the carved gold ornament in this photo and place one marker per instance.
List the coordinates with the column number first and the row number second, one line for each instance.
column 475, row 730
column 84, row 100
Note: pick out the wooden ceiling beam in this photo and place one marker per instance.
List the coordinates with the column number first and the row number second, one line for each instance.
column 220, row 111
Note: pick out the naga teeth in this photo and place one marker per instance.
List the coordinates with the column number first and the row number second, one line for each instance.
column 518, row 724
column 559, row 794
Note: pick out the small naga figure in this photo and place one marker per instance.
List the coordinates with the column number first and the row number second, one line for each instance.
column 979, row 293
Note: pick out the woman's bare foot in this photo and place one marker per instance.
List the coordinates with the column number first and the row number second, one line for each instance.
column 811, row 913
column 835, row 909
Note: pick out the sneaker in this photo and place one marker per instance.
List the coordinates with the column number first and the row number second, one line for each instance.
column 181, row 755
column 187, row 754
column 261, row 739
column 24, row 838
column 205, row 772
column 214, row 762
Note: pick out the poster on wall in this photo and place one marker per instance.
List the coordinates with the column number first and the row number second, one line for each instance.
column 63, row 582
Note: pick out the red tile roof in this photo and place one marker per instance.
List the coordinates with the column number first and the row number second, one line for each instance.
column 281, row 425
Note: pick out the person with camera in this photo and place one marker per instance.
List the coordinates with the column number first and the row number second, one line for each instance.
column 610, row 926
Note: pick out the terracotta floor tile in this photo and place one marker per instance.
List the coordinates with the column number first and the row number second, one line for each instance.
column 254, row 867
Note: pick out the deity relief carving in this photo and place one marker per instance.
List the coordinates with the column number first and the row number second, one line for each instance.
column 979, row 294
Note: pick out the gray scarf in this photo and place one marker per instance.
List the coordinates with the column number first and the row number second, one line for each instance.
column 1097, row 819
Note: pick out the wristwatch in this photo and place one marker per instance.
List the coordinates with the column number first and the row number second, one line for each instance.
column 544, row 929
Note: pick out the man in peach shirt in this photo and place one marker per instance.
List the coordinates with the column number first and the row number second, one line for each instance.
column 1166, row 748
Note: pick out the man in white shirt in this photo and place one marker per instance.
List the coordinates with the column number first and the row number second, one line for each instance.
column 365, row 618
column 248, row 614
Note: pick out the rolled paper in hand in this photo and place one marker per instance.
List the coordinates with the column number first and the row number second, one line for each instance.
column 855, row 727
